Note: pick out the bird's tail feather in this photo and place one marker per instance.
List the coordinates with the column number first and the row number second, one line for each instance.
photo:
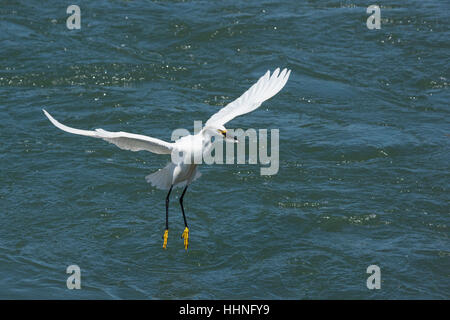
column 162, row 179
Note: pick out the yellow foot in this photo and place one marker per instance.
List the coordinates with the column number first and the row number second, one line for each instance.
column 185, row 236
column 166, row 235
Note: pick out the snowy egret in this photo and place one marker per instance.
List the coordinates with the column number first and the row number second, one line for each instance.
column 181, row 173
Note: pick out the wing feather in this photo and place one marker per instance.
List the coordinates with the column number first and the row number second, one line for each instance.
column 265, row 88
column 124, row 140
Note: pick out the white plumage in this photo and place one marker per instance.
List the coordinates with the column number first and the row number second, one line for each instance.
column 266, row 87
column 183, row 172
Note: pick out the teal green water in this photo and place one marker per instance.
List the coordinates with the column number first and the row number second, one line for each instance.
column 364, row 150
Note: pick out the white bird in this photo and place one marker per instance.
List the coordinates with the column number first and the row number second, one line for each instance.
column 184, row 171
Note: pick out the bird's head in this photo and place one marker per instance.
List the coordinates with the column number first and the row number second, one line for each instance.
column 219, row 131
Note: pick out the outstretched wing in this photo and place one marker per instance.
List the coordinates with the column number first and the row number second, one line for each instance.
column 266, row 87
column 124, row 140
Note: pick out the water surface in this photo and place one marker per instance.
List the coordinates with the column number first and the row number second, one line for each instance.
column 364, row 150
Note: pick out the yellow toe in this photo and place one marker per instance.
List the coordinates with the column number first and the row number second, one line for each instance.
column 166, row 235
column 185, row 236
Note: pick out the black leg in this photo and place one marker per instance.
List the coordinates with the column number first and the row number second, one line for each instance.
column 166, row 233
column 185, row 234
column 182, row 208
column 167, row 208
